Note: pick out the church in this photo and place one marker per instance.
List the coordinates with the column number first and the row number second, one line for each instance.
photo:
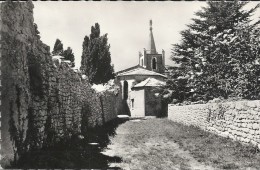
column 138, row 84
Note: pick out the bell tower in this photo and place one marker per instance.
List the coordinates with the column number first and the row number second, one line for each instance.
column 150, row 59
column 151, row 43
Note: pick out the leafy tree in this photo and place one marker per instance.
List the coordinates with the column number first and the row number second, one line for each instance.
column 58, row 48
column 217, row 50
column 85, row 55
column 68, row 55
column 96, row 57
column 178, row 84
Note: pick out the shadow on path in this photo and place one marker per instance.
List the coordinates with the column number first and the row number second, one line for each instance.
column 75, row 153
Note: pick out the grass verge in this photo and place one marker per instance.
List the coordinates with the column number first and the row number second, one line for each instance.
column 223, row 153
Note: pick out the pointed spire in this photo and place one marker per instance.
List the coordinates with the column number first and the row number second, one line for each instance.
column 151, row 47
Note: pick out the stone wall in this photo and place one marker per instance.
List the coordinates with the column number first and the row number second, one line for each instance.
column 108, row 104
column 43, row 100
column 237, row 120
column 0, row 83
column 16, row 37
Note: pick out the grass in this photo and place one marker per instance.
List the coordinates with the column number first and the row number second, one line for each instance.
column 147, row 145
column 223, row 153
column 163, row 144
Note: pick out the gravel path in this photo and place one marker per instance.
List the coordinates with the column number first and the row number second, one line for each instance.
column 146, row 144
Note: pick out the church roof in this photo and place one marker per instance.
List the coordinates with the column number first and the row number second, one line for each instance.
column 151, row 82
column 130, row 68
column 139, row 71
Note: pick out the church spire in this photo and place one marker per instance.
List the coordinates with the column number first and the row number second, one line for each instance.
column 151, row 48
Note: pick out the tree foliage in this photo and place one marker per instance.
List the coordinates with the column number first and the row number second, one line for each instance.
column 68, row 55
column 96, row 57
column 58, row 48
column 219, row 53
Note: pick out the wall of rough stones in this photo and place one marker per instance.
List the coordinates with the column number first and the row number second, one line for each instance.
column 41, row 95
column 0, row 83
column 238, row 120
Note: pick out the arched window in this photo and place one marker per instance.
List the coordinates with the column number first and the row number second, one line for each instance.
column 125, row 90
column 154, row 64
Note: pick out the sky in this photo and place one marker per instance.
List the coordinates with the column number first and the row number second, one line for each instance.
column 126, row 23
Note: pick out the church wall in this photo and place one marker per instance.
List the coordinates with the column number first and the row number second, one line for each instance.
column 137, row 108
column 124, row 106
column 134, row 79
column 153, row 105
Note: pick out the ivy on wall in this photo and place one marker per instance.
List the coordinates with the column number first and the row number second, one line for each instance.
column 36, row 81
column 16, row 135
column 32, row 135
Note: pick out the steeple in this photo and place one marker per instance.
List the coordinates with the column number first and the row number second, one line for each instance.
column 151, row 47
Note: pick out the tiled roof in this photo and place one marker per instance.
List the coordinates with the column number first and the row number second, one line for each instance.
column 151, row 82
column 140, row 71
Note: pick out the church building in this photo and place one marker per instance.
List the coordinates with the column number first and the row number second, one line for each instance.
column 138, row 84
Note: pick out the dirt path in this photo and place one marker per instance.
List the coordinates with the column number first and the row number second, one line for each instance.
column 146, row 144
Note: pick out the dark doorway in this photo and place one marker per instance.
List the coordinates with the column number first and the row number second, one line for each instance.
column 125, row 90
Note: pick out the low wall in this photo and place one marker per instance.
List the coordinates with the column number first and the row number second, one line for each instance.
column 239, row 120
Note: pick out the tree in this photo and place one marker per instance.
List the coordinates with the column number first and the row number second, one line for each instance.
column 96, row 57
column 58, row 48
column 68, row 55
column 212, row 45
column 178, row 84
column 85, row 55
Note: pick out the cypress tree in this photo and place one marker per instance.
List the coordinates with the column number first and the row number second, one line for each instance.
column 58, row 48
column 96, row 57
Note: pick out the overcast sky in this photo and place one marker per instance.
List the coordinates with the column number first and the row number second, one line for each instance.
column 127, row 25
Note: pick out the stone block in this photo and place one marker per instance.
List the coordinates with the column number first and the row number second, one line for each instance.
column 256, row 126
column 252, row 132
column 252, row 104
column 241, row 105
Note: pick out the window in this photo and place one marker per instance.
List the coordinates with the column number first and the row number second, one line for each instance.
column 132, row 103
column 142, row 62
column 125, row 90
column 154, row 64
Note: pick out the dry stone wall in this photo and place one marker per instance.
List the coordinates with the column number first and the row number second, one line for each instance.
column 238, row 120
column 108, row 103
column 43, row 100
